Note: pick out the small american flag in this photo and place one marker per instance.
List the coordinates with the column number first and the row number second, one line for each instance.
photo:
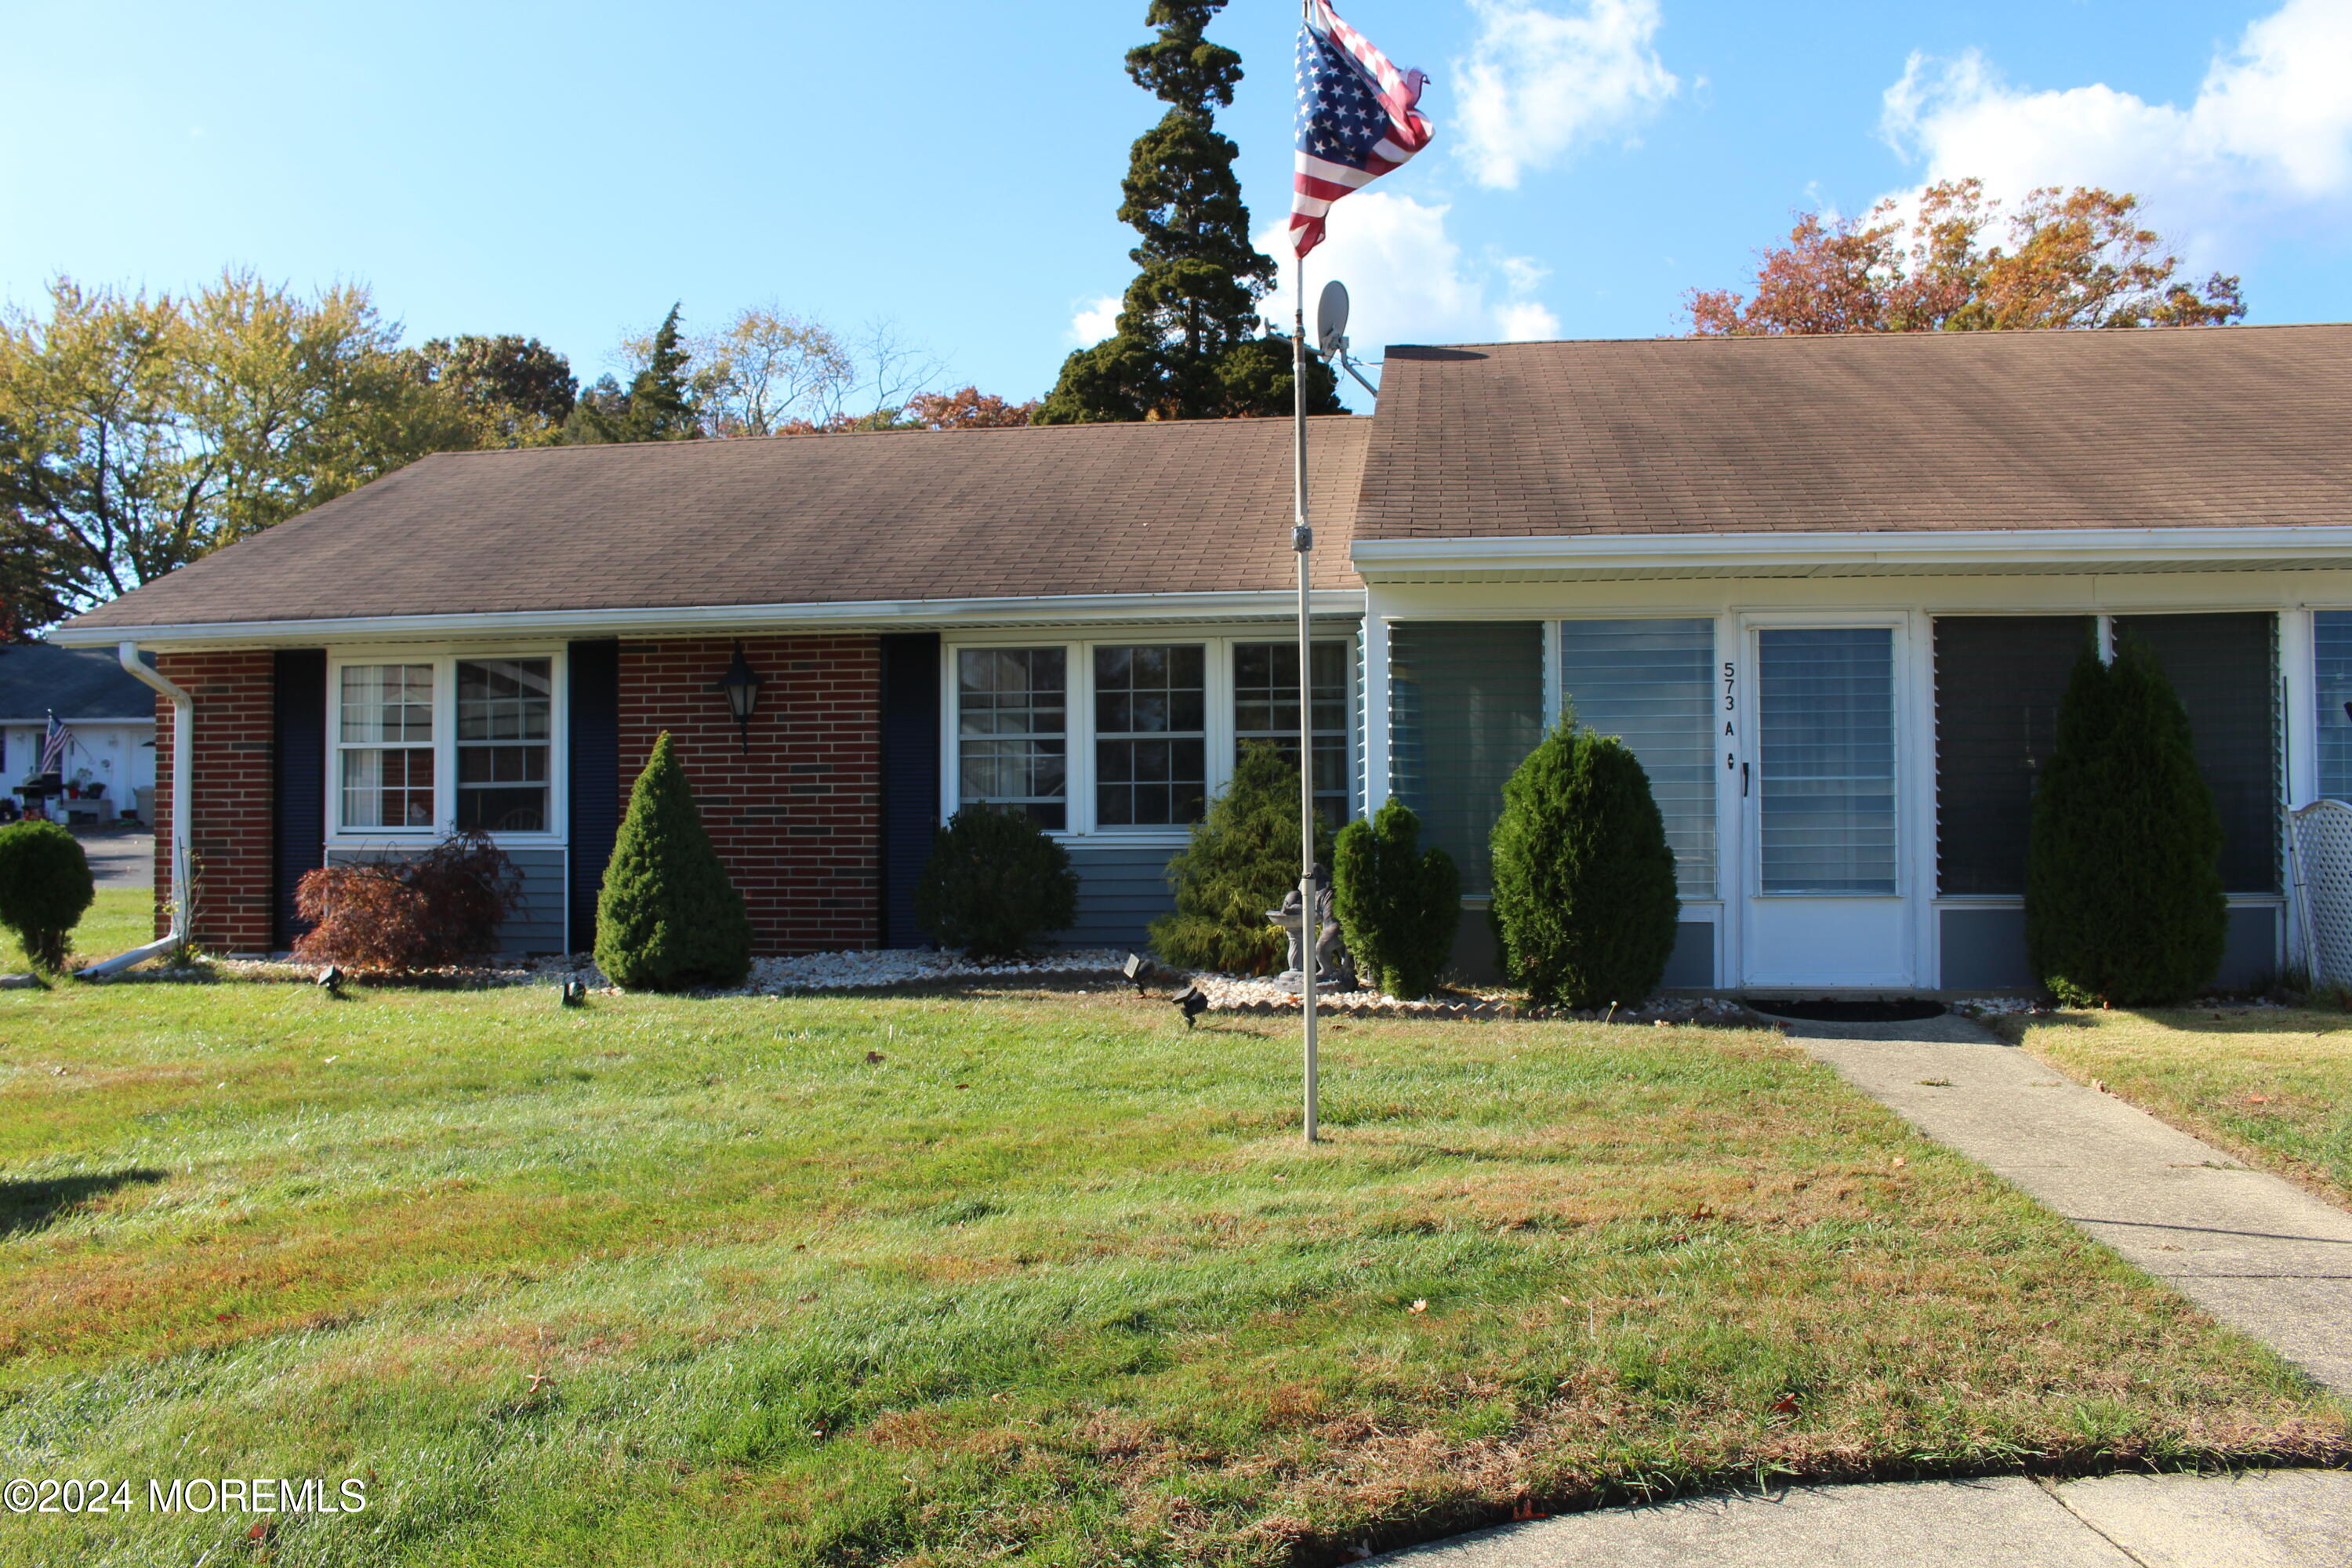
column 1356, row 120
column 53, row 747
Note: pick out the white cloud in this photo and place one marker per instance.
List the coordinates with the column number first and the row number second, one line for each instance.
column 1409, row 281
column 2267, row 142
column 1093, row 321
column 1540, row 82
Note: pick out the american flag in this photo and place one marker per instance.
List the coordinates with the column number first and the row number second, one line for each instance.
column 1356, row 120
column 53, row 747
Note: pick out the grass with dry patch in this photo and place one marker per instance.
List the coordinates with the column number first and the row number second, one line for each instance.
column 2272, row 1085
column 1052, row 1282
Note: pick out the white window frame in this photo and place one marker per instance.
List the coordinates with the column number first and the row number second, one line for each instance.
column 1217, row 645
column 444, row 659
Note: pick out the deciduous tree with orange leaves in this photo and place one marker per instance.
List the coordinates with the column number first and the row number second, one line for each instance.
column 2077, row 258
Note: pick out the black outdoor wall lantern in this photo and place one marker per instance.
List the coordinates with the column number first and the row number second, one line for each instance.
column 742, row 684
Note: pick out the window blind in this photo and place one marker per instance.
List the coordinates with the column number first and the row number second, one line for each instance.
column 2331, row 637
column 1826, row 744
column 2225, row 668
column 1465, row 709
column 1998, row 681
column 1651, row 683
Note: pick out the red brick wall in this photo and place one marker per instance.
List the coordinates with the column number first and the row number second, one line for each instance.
column 798, row 821
column 232, row 830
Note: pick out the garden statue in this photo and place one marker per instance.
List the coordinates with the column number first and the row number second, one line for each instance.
column 1331, row 957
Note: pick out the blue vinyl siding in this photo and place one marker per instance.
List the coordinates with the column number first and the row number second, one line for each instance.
column 1122, row 889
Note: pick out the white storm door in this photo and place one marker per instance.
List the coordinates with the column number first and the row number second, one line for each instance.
column 1824, row 878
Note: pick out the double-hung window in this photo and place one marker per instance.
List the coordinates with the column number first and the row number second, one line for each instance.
column 1135, row 738
column 1265, row 710
column 384, row 747
column 424, row 745
column 1152, row 741
column 504, row 714
column 1012, row 745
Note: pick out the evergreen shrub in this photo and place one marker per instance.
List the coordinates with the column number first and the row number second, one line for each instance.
column 2124, row 902
column 1243, row 860
column 668, row 919
column 398, row 916
column 994, row 880
column 1399, row 905
column 1585, row 907
column 45, row 888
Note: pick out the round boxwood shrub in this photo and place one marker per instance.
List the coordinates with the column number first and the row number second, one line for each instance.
column 1399, row 905
column 1243, row 860
column 995, row 882
column 2123, row 869
column 1585, row 906
column 668, row 919
column 45, row 888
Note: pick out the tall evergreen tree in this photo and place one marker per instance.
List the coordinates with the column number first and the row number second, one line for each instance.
column 658, row 407
column 1187, row 346
column 2124, row 901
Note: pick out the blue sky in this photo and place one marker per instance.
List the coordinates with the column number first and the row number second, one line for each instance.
column 567, row 170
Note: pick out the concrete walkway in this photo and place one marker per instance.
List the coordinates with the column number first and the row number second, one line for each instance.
column 2257, row 1252
column 2288, row 1518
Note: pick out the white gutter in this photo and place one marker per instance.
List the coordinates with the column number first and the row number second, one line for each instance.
column 739, row 620
column 2111, row 549
column 183, row 813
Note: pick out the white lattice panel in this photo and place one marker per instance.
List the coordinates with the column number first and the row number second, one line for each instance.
column 2322, row 847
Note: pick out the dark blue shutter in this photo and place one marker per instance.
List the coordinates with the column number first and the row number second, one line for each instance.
column 595, row 771
column 910, row 777
column 298, row 778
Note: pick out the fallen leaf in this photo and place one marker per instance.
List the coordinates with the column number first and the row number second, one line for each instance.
column 873, row 1058
column 1900, row 1162
column 1785, row 1405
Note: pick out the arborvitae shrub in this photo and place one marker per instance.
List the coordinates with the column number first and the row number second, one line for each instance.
column 669, row 917
column 45, row 886
column 2123, row 872
column 994, row 880
column 1244, row 857
column 1399, row 905
column 397, row 916
column 1585, row 907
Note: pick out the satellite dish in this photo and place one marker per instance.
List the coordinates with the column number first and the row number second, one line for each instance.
column 1331, row 318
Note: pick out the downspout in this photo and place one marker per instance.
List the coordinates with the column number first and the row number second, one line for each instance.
column 184, row 814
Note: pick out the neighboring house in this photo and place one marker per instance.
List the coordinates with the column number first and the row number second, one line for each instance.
column 111, row 715
column 1828, row 588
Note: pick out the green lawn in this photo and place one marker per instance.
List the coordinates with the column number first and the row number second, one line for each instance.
column 677, row 1281
column 119, row 920
column 2272, row 1085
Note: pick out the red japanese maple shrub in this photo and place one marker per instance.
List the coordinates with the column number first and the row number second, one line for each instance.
column 394, row 916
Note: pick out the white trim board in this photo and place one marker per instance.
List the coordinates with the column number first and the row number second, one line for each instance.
column 1854, row 553
column 724, row 620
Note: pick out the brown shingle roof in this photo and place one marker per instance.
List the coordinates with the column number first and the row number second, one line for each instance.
column 2148, row 429
column 1176, row 508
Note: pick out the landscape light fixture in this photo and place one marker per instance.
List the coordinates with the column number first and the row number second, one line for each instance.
column 742, row 684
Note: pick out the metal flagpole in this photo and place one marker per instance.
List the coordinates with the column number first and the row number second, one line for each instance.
column 1302, row 541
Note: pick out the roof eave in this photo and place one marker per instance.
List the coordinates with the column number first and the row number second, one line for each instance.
column 1850, row 553
column 723, row 620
